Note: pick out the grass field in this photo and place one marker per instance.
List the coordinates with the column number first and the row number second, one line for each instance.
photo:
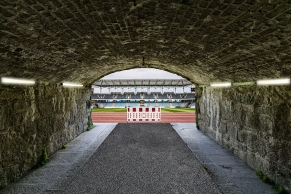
column 176, row 110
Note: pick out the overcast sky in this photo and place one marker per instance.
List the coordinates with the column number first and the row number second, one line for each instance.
column 142, row 73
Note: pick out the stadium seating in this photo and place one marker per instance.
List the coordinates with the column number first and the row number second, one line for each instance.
column 119, row 100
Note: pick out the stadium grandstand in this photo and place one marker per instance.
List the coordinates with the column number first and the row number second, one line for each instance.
column 122, row 93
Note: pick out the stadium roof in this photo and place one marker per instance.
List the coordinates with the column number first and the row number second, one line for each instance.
column 142, row 82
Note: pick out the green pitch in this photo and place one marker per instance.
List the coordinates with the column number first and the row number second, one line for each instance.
column 176, row 110
column 108, row 109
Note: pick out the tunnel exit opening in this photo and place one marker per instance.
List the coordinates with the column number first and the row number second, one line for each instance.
column 143, row 87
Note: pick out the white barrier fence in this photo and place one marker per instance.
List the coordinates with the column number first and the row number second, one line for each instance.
column 143, row 114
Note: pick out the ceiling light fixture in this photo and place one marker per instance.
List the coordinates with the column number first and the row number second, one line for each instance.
column 6, row 80
column 223, row 84
column 244, row 84
column 67, row 84
column 285, row 81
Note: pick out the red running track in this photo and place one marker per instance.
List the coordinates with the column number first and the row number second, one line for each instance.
column 165, row 118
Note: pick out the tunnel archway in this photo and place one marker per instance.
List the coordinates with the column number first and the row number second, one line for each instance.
column 204, row 41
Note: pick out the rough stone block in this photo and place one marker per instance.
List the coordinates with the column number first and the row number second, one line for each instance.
column 232, row 130
column 252, row 141
column 219, row 137
column 242, row 146
column 266, row 123
column 222, row 128
column 242, row 155
column 242, row 136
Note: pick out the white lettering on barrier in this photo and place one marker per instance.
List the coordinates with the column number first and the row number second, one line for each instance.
column 137, row 114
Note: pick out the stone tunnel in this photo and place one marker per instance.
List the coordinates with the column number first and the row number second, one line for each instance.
column 204, row 41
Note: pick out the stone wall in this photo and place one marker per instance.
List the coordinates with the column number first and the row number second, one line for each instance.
column 254, row 123
column 37, row 121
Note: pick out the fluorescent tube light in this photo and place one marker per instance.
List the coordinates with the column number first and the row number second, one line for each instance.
column 6, row 80
column 67, row 84
column 274, row 82
column 224, row 84
column 244, row 84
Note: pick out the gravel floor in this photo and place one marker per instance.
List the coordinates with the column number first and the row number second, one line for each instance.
column 142, row 158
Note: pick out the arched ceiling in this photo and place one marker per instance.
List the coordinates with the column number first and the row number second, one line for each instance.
column 202, row 40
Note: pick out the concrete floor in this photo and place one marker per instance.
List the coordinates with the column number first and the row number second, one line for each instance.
column 142, row 158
